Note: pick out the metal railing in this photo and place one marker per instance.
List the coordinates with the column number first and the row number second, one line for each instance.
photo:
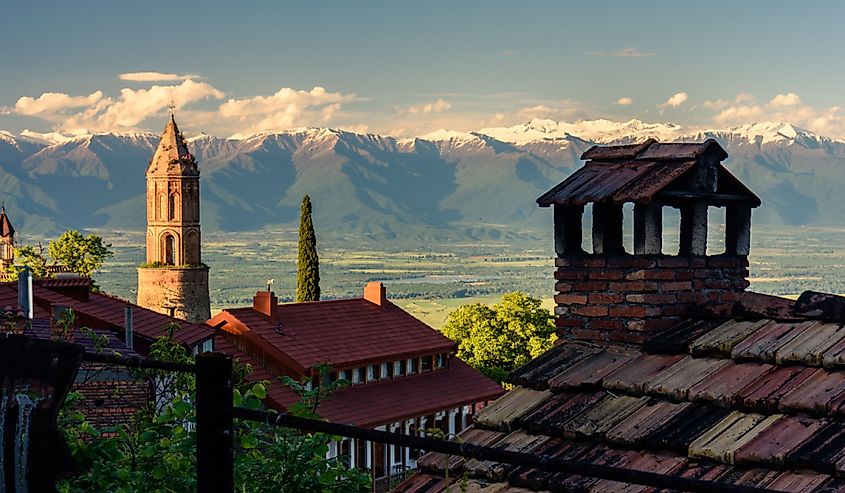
column 215, row 415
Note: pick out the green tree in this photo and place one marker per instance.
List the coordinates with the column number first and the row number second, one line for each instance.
column 496, row 339
column 80, row 253
column 157, row 450
column 307, row 264
column 32, row 257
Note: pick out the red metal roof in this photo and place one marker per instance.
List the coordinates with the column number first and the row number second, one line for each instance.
column 108, row 311
column 342, row 333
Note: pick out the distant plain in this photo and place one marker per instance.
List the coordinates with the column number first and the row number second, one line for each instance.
column 433, row 278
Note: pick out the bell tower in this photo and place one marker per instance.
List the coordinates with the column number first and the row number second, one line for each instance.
column 7, row 241
column 174, row 280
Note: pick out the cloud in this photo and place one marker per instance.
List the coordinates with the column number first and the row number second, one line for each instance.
column 50, row 103
column 786, row 108
column 785, row 100
column 624, row 101
column 154, row 77
column 743, row 97
column 98, row 113
column 284, row 109
column 507, row 52
column 675, row 101
column 629, row 52
column 433, row 107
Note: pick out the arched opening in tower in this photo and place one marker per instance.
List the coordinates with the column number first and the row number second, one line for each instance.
column 169, row 250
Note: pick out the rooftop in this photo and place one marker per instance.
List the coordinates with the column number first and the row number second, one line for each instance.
column 747, row 399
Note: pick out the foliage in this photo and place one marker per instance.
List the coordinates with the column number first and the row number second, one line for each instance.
column 80, row 253
column 307, row 264
column 496, row 339
column 157, row 450
column 73, row 250
column 32, row 257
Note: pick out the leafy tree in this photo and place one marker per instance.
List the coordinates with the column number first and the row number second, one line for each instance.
column 157, row 450
column 308, row 264
column 496, row 339
column 32, row 257
column 80, row 253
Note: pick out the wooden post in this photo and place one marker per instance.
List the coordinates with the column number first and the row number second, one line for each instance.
column 215, row 455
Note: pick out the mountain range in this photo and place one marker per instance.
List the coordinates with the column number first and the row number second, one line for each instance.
column 445, row 184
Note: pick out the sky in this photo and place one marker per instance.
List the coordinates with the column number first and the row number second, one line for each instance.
column 408, row 68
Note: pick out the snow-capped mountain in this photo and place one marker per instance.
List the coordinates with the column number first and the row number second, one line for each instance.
column 483, row 183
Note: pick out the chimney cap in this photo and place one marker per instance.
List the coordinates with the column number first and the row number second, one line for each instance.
column 265, row 302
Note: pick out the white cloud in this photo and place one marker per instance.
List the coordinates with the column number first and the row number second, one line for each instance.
column 785, row 100
column 284, row 109
column 675, row 101
column 98, row 113
column 51, row 103
column 786, row 108
column 433, row 107
column 154, row 77
column 628, row 52
column 624, row 101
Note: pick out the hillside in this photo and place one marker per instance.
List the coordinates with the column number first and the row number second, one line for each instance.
column 442, row 185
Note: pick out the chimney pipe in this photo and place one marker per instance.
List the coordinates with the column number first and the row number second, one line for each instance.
column 127, row 324
column 25, row 293
column 375, row 293
column 265, row 302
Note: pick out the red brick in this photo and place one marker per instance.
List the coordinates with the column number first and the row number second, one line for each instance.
column 606, row 275
column 729, row 297
column 571, row 299
column 673, row 262
column 563, row 287
column 636, row 262
column 698, row 284
column 605, row 298
column 674, row 310
column 594, row 262
column 741, row 283
column 652, row 324
column 562, row 262
column 589, row 335
column 722, row 262
column 628, row 337
column 651, row 275
column 589, row 286
column 570, row 322
column 686, row 297
column 676, row 286
column 635, row 298
column 717, row 283
column 632, row 286
column 684, row 275
column 562, row 311
column 568, row 274
column 698, row 262
column 628, row 311
column 709, row 274
column 659, row 298
column 591, row 311
column 607, row 324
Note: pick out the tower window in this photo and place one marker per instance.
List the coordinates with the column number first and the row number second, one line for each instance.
column 169, row 250
column 172, row 206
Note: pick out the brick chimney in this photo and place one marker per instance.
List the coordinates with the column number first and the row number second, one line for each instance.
column 375, row 293
column 265, row 302
column 614, row 296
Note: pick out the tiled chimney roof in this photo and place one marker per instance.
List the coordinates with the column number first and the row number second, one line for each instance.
column 172, row 156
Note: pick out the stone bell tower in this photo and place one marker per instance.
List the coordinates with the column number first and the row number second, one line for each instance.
column 7, row 241
column 173, row 280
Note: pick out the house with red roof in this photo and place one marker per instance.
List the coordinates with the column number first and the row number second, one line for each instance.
column 403, row 375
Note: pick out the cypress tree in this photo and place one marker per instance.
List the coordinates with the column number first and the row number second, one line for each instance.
column 308, row 264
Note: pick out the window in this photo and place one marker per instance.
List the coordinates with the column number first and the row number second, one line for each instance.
column 357, row 376
column 440, row 361
column 413, row 365
column 427, row 363
column 344, row 375
column 205, row 346
column 385, row 370
column 398, row 368
column 372, row 373
column 345, row 452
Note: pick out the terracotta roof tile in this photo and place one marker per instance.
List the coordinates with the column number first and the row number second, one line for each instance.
column 633, row 376
column 678, row 432
column 764, row 343
column 655, row 463
column 518, row 441
column 721, row 340
column 809, row 346
column 591, row 370
column 516, row 403
column 737, row 429
column 601, row 417
column 817, row 394
column 766, row 392
column 549, row 417
column 636, row 427
column 539, row 371
column 773, row 444
column 676, row 380
column 437, row 462
column 422, row 483
column 722, row 386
